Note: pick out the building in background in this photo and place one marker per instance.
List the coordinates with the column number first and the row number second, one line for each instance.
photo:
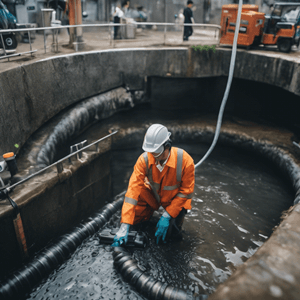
column 100, row 11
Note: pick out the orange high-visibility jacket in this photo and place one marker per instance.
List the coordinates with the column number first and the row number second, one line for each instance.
column 172, row 188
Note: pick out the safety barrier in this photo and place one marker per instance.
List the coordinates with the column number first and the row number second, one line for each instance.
column 109, row 27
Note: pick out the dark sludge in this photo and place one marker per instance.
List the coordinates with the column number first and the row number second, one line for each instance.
column 22, row 281
column 146, row 284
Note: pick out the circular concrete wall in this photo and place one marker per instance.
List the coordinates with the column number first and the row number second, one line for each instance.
column 33, row 94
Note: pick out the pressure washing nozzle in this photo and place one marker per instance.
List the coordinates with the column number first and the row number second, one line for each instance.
column 11, row 162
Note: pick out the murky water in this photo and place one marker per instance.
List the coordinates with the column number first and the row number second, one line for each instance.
column 238, row 200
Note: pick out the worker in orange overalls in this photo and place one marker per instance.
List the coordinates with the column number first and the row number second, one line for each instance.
column 163, row 176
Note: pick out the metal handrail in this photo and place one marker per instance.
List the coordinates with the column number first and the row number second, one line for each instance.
column 109, row 25
column 54, row 30
column 59, row 162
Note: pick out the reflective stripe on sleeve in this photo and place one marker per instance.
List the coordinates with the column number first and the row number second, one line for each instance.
column 171, row 188
column 184, row 196
column 179, row 164
column 131, row 201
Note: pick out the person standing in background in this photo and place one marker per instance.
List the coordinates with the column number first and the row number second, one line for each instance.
column 188, row 19
column 118, row 14
column 125, row 8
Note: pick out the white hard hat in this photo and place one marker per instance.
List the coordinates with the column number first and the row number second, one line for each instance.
column 155, row 137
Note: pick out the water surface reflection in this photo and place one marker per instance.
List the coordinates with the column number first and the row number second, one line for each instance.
column 237, row 202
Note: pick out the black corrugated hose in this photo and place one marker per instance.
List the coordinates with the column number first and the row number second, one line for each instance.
column 146, row 284
column 22, row 281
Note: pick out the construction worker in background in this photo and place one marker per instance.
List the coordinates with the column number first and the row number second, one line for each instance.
column 188, row 19
column 162, row 176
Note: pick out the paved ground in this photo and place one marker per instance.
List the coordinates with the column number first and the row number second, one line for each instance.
column 99, row 38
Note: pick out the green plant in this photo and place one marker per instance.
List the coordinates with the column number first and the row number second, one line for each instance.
column 204, row 47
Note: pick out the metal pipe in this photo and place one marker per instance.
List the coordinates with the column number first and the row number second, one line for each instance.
column 109, row 35
column 76, row 37
column 3, row 45
column 18, row 54
column 109, row 25
column 29, row 37
column 296, row 144
column 59, row 161
column 55, row 40
column 44, row 31
column 53, row 37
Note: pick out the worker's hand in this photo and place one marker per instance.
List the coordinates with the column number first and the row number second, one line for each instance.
column 122, row 235
column 162, row 227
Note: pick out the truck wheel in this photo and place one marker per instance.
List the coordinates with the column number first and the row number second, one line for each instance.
column 284, row 45
column 256, row 41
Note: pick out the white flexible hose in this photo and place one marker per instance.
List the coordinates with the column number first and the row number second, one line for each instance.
column 225, row 97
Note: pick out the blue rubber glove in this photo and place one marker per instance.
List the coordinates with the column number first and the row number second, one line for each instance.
column 162, row 226
column 122, row 235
